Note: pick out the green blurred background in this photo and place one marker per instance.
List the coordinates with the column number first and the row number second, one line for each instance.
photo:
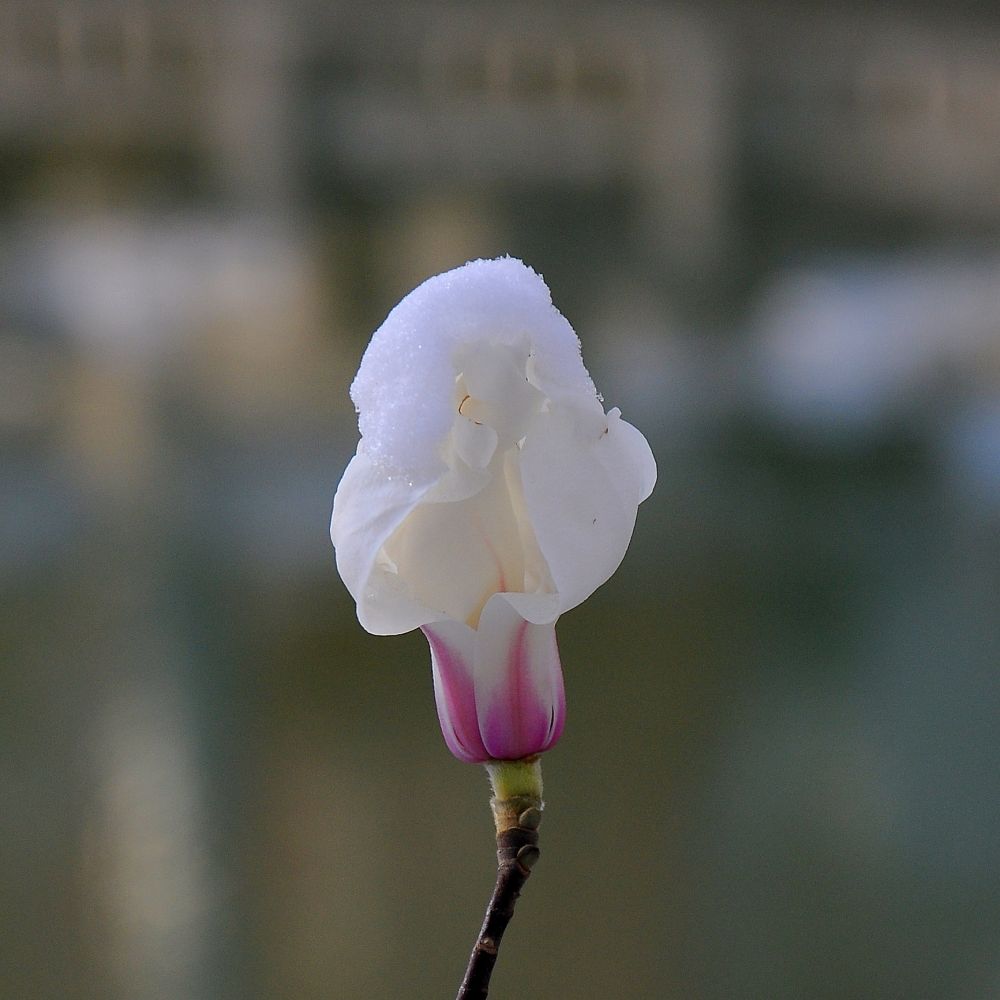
column 775, row 230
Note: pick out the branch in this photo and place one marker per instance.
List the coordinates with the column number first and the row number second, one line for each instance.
column 517, row 852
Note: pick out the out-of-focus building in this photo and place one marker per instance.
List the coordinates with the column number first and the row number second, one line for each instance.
column 884, row 110
column 371, row 151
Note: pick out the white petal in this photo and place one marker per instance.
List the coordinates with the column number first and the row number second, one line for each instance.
column 487, row 465
column 454, row 556
column 581, row 491
column 627, row 457
column 367, row 509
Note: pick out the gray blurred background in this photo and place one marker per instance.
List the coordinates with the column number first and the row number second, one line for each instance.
column 775, row 230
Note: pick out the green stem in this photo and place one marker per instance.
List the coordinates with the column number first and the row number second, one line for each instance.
column 517, row 785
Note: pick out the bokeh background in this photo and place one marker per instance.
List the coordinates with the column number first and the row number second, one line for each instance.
column 775, row 229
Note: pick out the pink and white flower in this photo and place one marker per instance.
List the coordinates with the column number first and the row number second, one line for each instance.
column 490, row 493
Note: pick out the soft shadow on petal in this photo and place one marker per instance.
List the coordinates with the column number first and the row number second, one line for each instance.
column 539, row 609
column 455, row 555
column 518, row 683
column 475, row 444
column 500, row 395
column 452, row 650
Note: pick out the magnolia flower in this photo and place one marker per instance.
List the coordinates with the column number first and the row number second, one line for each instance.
column 490, row 493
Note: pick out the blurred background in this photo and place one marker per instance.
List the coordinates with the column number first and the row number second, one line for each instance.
column 775, row 230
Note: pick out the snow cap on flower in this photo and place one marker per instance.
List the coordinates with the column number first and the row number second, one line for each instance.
column 405, row 386
column 490, row 492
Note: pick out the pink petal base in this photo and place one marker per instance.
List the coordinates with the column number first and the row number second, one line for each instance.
column 499, row 691
column 527, row 709
column 454, row 691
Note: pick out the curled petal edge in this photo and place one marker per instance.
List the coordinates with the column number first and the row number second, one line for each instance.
column 581, row 492
column 367, row 509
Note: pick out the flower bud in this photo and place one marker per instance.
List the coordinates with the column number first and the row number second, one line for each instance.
column 490, row 493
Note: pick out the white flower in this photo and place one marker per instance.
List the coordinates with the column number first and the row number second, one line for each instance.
column 490, row 493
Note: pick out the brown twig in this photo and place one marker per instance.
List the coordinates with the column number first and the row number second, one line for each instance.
column 517, row 852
